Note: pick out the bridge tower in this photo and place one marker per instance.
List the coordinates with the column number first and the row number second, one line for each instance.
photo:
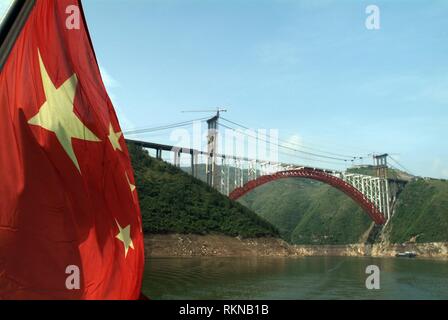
column 380, row 163
column 212, row 149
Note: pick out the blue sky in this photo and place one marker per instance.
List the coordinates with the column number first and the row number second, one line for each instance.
column 307, row 68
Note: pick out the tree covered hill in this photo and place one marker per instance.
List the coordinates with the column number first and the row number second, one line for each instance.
column 309, row 212
column 422, row 213
column 172, row 201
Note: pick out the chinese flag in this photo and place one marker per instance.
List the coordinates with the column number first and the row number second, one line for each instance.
column 70, row 223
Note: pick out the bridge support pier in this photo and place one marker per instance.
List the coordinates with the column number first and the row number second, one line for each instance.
column 194, row 164
column 177, row 154
column 159, row 154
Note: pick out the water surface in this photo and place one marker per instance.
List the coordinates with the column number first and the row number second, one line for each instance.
column 293, row 278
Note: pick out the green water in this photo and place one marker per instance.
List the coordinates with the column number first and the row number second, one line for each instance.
column 293, row 278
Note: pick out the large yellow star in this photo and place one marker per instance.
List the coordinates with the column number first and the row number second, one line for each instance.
column 124, row 235
column 114, row 138
column 57, row 114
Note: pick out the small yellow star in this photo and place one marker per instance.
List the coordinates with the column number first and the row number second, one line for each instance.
column 131, row 186
column 114, row 138
column 124, row 235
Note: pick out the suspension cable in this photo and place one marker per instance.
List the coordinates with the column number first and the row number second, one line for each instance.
column 289, row 148
column 297, row 144
column 400, row 165
column 164, row 127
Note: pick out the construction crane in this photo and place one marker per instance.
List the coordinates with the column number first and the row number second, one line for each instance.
column 217, row 110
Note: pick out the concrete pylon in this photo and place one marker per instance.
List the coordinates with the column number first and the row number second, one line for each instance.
column 380, row 162
column 212, row 149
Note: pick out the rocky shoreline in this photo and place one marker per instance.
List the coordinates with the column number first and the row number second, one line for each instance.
column 177, row 245
column 428, row 250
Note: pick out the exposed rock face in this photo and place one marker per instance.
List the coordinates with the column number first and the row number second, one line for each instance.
column 436, row 249
column 432, row 249
column 175, row 245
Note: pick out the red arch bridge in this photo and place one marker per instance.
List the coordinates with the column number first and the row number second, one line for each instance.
column 236, row 176
column 371, row 193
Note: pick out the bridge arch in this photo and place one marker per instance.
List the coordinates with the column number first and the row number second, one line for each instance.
column 319, row 175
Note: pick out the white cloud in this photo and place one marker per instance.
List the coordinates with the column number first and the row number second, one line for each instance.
column 108, row 80
column 440, row 168
column 111, row 85
column 435, row 90
column 294, row 141
column 279, row 53
column 414, row 87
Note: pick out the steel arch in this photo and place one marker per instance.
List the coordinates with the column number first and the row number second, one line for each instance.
column 319, row 175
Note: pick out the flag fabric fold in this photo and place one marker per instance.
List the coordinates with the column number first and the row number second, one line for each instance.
column 70, row 223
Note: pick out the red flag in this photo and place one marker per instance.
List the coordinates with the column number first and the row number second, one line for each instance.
column 70, row 223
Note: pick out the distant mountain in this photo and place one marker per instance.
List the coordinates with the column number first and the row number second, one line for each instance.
column 172, row 201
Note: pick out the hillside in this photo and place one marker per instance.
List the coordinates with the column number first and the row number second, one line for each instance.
column 309, row 212
column 422, row 213
column 172, row 201
column 391, row 173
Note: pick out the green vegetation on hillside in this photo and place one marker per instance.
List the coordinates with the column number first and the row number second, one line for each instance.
column 309, row 212
column 173, row 201
column 421, row 213
column 302, row 211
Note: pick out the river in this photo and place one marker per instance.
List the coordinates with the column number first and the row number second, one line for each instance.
column 293, row 278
